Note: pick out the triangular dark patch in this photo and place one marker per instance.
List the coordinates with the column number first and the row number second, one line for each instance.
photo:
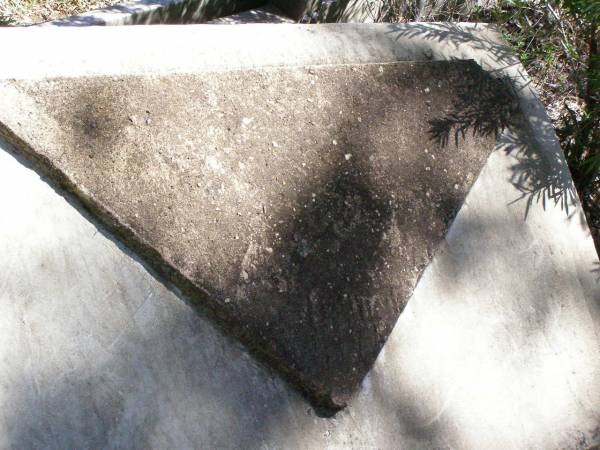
column 298, row 206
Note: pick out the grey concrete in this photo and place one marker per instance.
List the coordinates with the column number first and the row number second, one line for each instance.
column 498, row 347
column 253, row 190
column 151, row 12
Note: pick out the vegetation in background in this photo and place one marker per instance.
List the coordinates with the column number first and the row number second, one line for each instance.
column 558, row 43
column 25, row 12
column 579, row 131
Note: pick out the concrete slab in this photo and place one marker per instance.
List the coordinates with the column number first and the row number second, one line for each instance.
column 497, row 348
column 300, row 206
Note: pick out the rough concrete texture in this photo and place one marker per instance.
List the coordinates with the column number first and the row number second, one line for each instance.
column 299, row 205
column 497, row 348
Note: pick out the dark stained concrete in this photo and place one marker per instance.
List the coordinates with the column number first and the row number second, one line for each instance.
column 298, row 207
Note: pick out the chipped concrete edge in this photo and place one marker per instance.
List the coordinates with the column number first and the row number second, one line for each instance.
column 209, row 48
column 151, row 12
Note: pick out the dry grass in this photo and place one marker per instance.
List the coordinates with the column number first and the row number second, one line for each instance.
column 25, row 12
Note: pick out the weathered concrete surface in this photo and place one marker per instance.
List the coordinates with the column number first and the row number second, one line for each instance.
column 497, row 348
column 300, row 206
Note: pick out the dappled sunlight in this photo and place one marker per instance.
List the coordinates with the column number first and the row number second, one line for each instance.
column 411, row 239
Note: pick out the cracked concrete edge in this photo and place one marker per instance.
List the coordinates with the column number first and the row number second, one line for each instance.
column 150, row 12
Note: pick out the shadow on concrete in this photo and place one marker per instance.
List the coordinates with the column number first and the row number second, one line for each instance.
column 321, row 304
column 175, row 381
column 316, row 296
column 152, row 12
column 345, row 224
column 456, row 35
column 330, row 11
column 177, row 384
column 266, row 14
column 483, row 107
column 540, row 171
column 525, row 316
